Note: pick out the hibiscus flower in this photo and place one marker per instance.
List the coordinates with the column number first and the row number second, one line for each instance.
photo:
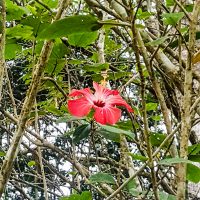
column 103, row 101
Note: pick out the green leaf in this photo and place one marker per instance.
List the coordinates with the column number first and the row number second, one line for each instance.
column 81, row 132
column 151, row 106
column 118, row 75
column 14, row 12
column 189, row 7
column 51, row 3
column 12, row 49
column 193, row 173
column 143, row 15
column 156, row 118
column 169, row 3
column 52, row 109
column 194, row 158
column 157, row 138
column 55, row 66
column 71, row 197
column 157, row 41
column 171, row 161
column 31, row 163
column 82, row 39
column 75, row 62
column 194, row 149
column 116, row 130
column 132, row 188
column 138, row 157
column 172, row 18
column 70, row 25
column 115, row 137
column 96, row 67
column 86, row 195
column 63, row 198
column 125, row 125
column 165, row 196
column 59, row 50
column 2, row 153
column 20, row 32
column 36, row 23
column 102, row 178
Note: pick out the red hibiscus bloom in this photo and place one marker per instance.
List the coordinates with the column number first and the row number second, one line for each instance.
column 103, row 101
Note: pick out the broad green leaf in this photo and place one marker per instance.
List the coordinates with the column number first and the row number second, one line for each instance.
column 51, row 3
column 125, row 125
column 70, row 25
column 138, row 157
column 14, row 12
column 157, row 138
column 151, row 106
column 63, row 198
column 31, row 163
column 171, row 197
column 32, row 9
column 194, row 149
column 52, row 109
column 193, row 173
column 156, row 118
column 75, row 62
column 172, row 18
column 194, row 158
column 157, row 41
column 71, row 197
column 169, row 3
column 66, row 118
column 111, row 45
column 165, row 196
column 82, row 39
column 118, row 75
column 132, row 188
column 102, row 178
column 86, row 195
column 20, row 32
column 81, row 132
column 115, row 137
column 184, row 30
column 116, row 130
column 36, row 23
column 189, row 7
column 96, row 67
column 55, row 66
column 171, row 161
column 143, row 15
column 12, row 49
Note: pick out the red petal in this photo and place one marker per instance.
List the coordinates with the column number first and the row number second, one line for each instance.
column 117, row 100
column 79, row 107
column 75, row 93
column 102, row 92
column 108, row 115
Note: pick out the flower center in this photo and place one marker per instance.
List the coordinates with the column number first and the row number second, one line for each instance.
column 99, row 103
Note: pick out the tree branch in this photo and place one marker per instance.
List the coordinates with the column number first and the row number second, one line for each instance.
column 186, row 105
column 27, row 105
column 2, row 42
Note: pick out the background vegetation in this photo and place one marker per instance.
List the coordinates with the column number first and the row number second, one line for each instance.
column 146, row 49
